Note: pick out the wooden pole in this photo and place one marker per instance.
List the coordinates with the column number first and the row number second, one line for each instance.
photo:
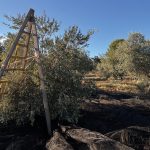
column 41, row 75
column 25, row 52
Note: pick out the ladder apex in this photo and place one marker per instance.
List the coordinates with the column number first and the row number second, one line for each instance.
column 31, row 10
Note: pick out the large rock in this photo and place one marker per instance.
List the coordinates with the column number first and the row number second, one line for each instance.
column 136, row 137
column 58, row 142
column 92, row 140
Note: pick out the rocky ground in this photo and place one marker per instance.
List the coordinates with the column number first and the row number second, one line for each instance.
column 109, row 121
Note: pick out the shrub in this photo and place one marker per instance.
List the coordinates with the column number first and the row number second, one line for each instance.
column 144, row 85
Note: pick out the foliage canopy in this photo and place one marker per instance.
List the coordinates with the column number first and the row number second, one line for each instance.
column 65, row 62
column 127, row 57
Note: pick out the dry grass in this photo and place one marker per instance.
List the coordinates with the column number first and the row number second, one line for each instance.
column 118, row 86
column 126, row 85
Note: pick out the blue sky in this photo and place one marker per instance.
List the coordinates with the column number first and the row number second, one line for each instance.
column 112, row 19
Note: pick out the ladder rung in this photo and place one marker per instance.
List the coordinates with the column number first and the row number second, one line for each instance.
column 4, row 81
column 23, row 38
column 34, row 34
column 25, row 32
column 4, row 93
column 22, row 45
column 15, row 69
column 18, row 57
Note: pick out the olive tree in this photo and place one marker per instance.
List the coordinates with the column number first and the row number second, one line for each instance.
column 111, row 63
column 65, row 61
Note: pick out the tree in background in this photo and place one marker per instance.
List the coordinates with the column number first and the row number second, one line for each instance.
column 65, row 62
column 113, row 47
column 96, row 61
column 127, row 57
column 139, row 49
column 111, row 64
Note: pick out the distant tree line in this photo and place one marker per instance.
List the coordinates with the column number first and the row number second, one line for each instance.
column 129, row 57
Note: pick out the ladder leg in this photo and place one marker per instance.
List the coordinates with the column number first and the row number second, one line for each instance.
column 4, row 65
column 37, row 57
column 27, row 43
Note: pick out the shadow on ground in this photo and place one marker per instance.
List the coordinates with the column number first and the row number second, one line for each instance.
column 109, row 111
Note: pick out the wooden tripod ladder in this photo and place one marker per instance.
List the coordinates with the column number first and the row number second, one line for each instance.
column 17, row 57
